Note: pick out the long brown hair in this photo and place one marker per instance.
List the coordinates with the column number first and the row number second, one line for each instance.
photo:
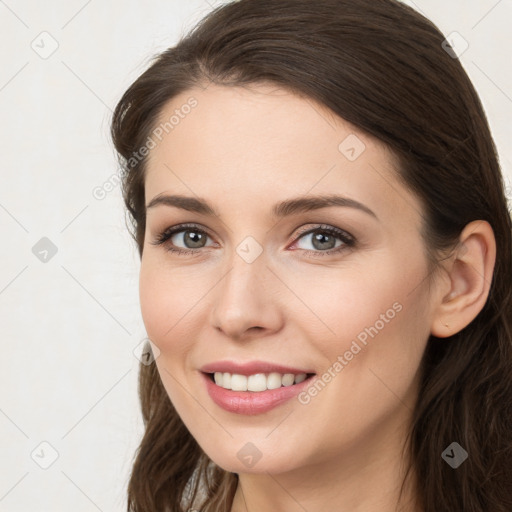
column 383, row 67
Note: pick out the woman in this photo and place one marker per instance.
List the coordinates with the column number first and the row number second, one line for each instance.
column 325, row 267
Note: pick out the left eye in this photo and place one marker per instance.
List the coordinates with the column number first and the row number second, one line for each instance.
column 323, row 238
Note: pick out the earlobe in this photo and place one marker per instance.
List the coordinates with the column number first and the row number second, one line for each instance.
column 470, row 272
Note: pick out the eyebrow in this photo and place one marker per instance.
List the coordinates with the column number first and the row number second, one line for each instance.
column 283, row 209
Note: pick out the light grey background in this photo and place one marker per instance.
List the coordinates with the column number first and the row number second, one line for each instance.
column 70, row 324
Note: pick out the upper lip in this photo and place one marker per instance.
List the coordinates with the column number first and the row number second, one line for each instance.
column 250, row 368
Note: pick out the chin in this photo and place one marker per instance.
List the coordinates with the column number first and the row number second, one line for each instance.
column 251, row 459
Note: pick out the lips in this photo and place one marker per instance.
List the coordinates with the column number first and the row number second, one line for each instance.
column 252, row 368
column 247, row 401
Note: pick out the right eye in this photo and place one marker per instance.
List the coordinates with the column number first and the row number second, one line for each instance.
column 189, row 234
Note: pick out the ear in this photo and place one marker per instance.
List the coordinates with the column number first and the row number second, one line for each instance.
column 470, row 272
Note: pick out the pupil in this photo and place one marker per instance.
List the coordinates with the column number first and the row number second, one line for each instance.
column 195, row 238
column 320, row 238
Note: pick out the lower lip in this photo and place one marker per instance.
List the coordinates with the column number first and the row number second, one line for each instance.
column 251, row 402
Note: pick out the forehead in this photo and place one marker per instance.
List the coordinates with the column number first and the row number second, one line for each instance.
column 263, row 143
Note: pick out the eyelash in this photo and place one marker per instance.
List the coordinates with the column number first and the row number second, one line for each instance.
column 348, row 240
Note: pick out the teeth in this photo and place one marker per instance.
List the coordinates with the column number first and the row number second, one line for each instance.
column 299, row 378
column 288, row 379
column 274, row 381
column 256, row 382
column 238, row 382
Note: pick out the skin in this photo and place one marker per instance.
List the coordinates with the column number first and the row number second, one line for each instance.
column 243, row 150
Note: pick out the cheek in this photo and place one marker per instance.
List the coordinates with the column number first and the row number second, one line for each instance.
column 168, row 315
column 371, row 327
column 154, row 302
column 341, row 305
column 169, row 299
column 384, row 335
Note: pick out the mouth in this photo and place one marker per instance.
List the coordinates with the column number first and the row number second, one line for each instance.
column 257, row 382
column 255, row 393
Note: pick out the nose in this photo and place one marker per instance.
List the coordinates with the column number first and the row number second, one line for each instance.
column 245, row 302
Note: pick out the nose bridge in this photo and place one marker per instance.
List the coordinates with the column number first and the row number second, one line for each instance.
column 244, row 298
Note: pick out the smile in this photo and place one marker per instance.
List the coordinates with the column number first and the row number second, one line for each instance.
column 256, row 393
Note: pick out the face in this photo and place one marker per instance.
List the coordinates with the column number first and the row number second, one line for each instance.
column 337, row 291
